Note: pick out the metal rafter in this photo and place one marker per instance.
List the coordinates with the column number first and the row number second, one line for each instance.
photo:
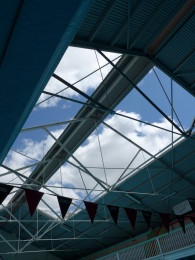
column 76, row 160
column 170, row 101
column 99, row 104
column 111, row 111
column 144, row 66
column 79, row 92
column 38, row 127
column 88, row 75
column 141, row 92
column 151, row 155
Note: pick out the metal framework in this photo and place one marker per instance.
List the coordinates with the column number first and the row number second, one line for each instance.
column 48, row 224
column 143, row 186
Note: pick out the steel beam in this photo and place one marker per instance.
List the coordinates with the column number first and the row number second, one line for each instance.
column 141, row 92
column 8, row 243
column 53, row 124
column 88, row 75
column 135, row 67
column 71, row 155
column 80, row 92
column 9, row 212
column 151, row 155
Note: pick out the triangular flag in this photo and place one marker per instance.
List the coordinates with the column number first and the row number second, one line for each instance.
column 4, row 191
column 113, row 212
column 64, row 204
column 147, row 216
column 91, row 209
column 33, row 198
column 131, row 214
column 192, row 219
column 181, row 222
column 165, row 220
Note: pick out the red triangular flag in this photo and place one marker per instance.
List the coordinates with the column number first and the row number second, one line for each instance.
column 91, row 209
column 113, row 212
column 147, row 216
column 64, row 204
column 131, row 214
column 181, row 222
column 4, row 191
column 165, row 220
column 192, row 219
column 33, row 198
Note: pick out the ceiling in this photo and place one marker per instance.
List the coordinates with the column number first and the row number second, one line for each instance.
column 161, row 30
column 35, row 36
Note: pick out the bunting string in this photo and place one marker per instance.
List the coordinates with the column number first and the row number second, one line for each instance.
column 33, row 198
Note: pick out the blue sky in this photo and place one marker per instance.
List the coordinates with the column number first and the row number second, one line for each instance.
column 184, row 104
column 75, row 64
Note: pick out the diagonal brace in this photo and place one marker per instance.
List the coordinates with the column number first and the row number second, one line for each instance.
column 81, row 93
column 71, row 155
column 141, row 92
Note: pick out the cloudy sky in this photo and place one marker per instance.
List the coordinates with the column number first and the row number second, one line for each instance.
column 105, row 154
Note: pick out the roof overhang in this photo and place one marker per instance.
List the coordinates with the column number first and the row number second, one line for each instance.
column 33, row 37
column 162, row 31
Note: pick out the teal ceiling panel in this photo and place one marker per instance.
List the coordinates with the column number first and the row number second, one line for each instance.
column 36, row 35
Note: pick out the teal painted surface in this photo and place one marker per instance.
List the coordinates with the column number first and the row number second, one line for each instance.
column 32, row 44
column 180, row 254
column 176, row 254
column 5, row 248
column 174, row 53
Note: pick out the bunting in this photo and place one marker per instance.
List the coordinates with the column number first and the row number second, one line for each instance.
column 131, row 214
column 181, row 222
column 114, row 212
column 33, row 198
column 64, row 204
column 147, row 216
column 165, row 220
column 4, row 191
column 91, row 209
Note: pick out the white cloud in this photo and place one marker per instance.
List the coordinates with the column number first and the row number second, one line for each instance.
column 36, row 150
column 117, row 153
column 74, row 65
column 30, row 148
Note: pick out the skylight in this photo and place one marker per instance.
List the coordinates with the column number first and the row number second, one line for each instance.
column 116, row 148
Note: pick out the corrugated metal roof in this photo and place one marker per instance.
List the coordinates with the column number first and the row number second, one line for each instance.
column 147, row 19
